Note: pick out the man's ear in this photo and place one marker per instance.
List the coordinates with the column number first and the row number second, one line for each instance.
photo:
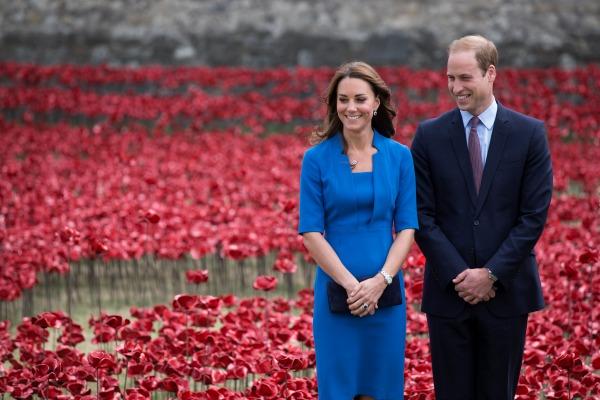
column 491, row 73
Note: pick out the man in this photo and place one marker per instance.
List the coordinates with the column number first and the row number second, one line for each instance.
column 483, row 190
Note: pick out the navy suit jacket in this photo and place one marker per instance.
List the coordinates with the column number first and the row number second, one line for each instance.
column 496, row 229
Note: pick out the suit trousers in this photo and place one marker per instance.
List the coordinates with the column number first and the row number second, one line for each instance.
column 476, row 355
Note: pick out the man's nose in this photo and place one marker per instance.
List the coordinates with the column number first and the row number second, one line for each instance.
column 456, row 87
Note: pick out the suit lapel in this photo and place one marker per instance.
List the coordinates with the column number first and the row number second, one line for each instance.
column 459, row 144
column 381, row 183
column 342, row 170
column 494, row 155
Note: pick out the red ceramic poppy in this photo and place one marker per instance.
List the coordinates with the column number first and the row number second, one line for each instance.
column 100, row 359
column 265, row 283
column 197, row 276
column 184, row 302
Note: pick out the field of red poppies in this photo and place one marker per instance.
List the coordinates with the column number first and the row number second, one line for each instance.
column 112, row 174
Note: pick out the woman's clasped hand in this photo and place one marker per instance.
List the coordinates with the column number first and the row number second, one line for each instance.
column 363, row 297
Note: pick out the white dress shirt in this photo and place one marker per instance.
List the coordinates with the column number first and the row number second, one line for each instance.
column 484, row 129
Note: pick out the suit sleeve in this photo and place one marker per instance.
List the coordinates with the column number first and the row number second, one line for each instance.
column 312, row 212
column 443, row 258
column 536, row 193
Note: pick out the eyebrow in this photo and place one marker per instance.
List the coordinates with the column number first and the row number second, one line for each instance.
column 460, row 75
column 356, row 95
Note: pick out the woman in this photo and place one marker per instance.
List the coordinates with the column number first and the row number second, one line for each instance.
column 357, row 186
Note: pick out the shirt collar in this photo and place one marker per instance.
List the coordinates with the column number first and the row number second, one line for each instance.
column 487, row 117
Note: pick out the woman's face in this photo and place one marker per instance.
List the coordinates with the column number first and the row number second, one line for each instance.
column 356, row 102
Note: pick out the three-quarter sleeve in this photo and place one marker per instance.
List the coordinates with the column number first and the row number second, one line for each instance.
column 405, row 210
column 312, row 213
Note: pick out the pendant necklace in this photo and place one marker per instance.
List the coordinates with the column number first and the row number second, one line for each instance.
column 353, row 164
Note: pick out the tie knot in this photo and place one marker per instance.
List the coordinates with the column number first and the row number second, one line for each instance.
column 474, row 122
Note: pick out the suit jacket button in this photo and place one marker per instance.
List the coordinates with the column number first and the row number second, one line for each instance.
column 476, row 222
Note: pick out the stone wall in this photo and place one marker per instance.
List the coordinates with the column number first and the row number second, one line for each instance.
column 266, row 33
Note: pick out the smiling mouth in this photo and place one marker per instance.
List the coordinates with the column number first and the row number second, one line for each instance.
column 354, row 117
column 463, row 97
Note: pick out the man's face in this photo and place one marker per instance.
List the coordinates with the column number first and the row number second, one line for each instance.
column 471, row 88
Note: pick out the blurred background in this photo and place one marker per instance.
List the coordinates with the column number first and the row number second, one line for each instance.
column 268, row 33
column 149, row 173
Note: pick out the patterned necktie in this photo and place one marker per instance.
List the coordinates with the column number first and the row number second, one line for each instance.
column 475, row 154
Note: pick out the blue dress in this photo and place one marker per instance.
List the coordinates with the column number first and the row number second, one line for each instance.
column 357, row 213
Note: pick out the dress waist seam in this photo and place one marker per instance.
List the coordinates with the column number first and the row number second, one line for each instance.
column 358, row 229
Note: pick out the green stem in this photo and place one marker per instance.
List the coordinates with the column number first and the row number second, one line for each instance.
column 68, row 276
column 125, row 383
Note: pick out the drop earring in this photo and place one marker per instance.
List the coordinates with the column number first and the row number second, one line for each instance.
column 374, row 113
